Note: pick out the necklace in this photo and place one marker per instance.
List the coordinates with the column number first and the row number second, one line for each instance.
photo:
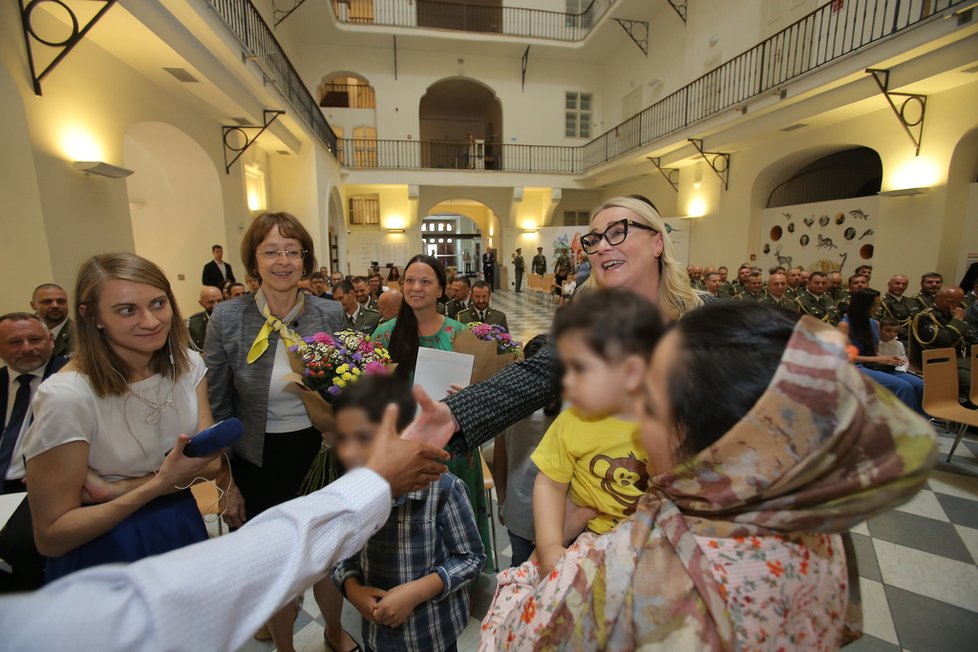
column 156, row 408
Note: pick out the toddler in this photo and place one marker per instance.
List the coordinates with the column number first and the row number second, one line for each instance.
column 410, row 581
column 591, row 453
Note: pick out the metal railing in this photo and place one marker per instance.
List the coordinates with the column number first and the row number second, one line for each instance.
column 473, row 17
column 347, row 96
column 257, row 39
column 832, row 31
column 361, row 153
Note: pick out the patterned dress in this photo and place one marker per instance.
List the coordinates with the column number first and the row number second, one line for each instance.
column 467, row 467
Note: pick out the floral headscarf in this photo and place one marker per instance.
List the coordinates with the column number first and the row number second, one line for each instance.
column 823, row 449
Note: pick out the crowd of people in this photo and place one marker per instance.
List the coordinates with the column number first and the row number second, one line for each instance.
column 666, row 510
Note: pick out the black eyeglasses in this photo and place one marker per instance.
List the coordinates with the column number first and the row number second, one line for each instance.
column 615, row 234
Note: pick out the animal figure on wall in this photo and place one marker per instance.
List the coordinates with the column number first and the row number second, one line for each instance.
column 784, row 261
column 844, row 256
column 825, row 243
column 809, row 221
column 866, row 234
column 858, row 214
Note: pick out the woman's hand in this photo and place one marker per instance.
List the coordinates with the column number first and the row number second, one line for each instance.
column 96, row 489
column 455, row 388
column 396, row 606
column 364, row 598
column 178, row 470
column 232, row 506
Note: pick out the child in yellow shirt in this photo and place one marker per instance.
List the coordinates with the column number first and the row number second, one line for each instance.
column 591, row 452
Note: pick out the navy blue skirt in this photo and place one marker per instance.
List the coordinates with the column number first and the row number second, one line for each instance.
column 161, row 525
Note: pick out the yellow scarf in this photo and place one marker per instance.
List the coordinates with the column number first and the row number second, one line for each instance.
column 273, row 323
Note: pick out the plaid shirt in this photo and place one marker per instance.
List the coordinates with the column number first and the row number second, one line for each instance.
column 432, row 530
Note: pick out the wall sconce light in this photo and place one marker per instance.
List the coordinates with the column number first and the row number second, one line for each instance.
column 696, row 207
column 395, row 230
column 102, row 169
column 903, row 192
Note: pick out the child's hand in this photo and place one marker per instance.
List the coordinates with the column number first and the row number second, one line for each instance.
column 548, row 557
column 364, row 598
column 396, row 606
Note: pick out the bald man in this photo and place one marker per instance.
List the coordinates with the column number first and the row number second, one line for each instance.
column 210, row 296
column 389, row 304
column 898, row 306
column 777, row 293
column 943, row 327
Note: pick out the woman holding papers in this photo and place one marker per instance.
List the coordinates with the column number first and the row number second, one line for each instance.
column 418, row 324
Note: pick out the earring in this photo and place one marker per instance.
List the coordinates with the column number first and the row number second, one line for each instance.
column 254, row 273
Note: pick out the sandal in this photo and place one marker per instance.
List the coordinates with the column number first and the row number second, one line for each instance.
column 356, row 646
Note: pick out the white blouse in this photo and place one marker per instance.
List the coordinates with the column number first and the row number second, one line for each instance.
column 127, row 436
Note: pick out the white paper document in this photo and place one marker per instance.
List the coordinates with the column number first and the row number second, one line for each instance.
column 437, row 369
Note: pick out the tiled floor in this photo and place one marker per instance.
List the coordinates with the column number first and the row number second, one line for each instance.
column 918, row 563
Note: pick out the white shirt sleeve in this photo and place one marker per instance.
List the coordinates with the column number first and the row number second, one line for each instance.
column 209, row 596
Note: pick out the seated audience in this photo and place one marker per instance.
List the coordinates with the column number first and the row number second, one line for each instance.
column 362, row 291
column 389, row 304
column 930, row 285
column 942, row 327
column 103, row 487
column 317, row 283
column 712, row 284
column 898, row 306
column 777, row 293
column 589, row 455
column 856, row 283
column 815, row 301
column 410, row 581
column 890, row 344
column 480, row 310
column 461, row 299
column 864, row 333
column 358, row 318
column 236, row 290
column 753, row 288
column 738, row 541
column 197, row 322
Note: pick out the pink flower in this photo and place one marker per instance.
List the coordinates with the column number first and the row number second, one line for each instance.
column 322, row 338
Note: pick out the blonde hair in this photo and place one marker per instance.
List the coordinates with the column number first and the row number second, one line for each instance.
column 676, row 295
column 106, row 371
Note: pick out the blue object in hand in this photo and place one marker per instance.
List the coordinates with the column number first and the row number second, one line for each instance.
column 210, row 440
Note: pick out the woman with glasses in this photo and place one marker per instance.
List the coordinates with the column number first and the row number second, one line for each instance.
column 247, row 356
column 627, row 247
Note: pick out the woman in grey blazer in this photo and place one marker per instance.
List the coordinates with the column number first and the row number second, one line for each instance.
column 247, row 356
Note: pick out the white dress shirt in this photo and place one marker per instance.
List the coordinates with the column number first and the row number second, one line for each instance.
column 212, row 595
column 57, row 329
column 16, row 469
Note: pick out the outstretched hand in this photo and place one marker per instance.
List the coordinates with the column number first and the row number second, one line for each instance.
column 406, row 465
column 435, row 425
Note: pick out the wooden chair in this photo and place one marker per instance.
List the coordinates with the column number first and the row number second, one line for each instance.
column 941, row 393
column 973, row 396
column 489, row 484
column 208, row 501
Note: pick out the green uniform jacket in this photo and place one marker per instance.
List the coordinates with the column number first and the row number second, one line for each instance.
column 366, row 322
column 784, row 302
column 493, row 316
column 925, row 300
column 935, row 329
column 750, row 296
column 197, row 324
column 903, row 309
column 820, row 307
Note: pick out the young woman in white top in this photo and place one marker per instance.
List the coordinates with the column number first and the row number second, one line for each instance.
column 101, row 485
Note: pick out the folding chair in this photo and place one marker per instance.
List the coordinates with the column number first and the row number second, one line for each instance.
column 941, row 393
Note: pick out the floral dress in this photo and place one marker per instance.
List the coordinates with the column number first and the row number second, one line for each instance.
column 468, row 468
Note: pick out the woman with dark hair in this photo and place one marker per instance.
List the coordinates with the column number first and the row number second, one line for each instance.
column 419, row 324
column 864, row 334
column 765, row 447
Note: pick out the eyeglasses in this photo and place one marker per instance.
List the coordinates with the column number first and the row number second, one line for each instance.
column 615, row 234
column 291, row 254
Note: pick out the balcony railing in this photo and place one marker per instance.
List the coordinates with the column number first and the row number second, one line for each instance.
column 258, row 42
column 347, row 96
column 473, row 17
column 415, row 154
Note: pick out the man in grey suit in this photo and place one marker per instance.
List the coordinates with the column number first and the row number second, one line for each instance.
column 358, row 317
column 50, row 303
column 480, row 310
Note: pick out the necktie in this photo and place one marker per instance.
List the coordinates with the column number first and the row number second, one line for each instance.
column 482, row 316
column 12, row 430
column 351, row 321
column 273, row 323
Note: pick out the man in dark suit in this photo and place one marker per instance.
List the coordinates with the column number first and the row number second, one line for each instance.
column 480, row 310
column 210, row 296
column 216, row 272
column 26, row 347
column 489, row 267
column 519, row 266
column 359, row 318
column 539, row 264
column 50, row 303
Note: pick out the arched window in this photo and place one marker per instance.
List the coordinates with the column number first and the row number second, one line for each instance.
column 347, row 91
column 856, row 172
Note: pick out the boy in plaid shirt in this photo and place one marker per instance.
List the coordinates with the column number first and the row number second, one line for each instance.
column 409, row 582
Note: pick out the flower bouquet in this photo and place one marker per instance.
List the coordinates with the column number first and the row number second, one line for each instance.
column 492, row 346
column 324, row 364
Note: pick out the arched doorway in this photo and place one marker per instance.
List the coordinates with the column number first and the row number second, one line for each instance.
column 455, row 231
column 175, row 206
column 461, row 125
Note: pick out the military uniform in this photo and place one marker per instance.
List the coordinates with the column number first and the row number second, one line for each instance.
column 747, row 295
column 792, row 293
column 936, row 329
column 820, row 307
column 785, row 302
column 969, row 300
column 733, row 289
column 842, row 303
column 540, row 264
column 492, row 316
column 925, row 300
column 366, row 321
column 519, row 265
column 453, row 307
column 838, row 294
column 64, row 343
column 197, row 325
column 903, row 309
